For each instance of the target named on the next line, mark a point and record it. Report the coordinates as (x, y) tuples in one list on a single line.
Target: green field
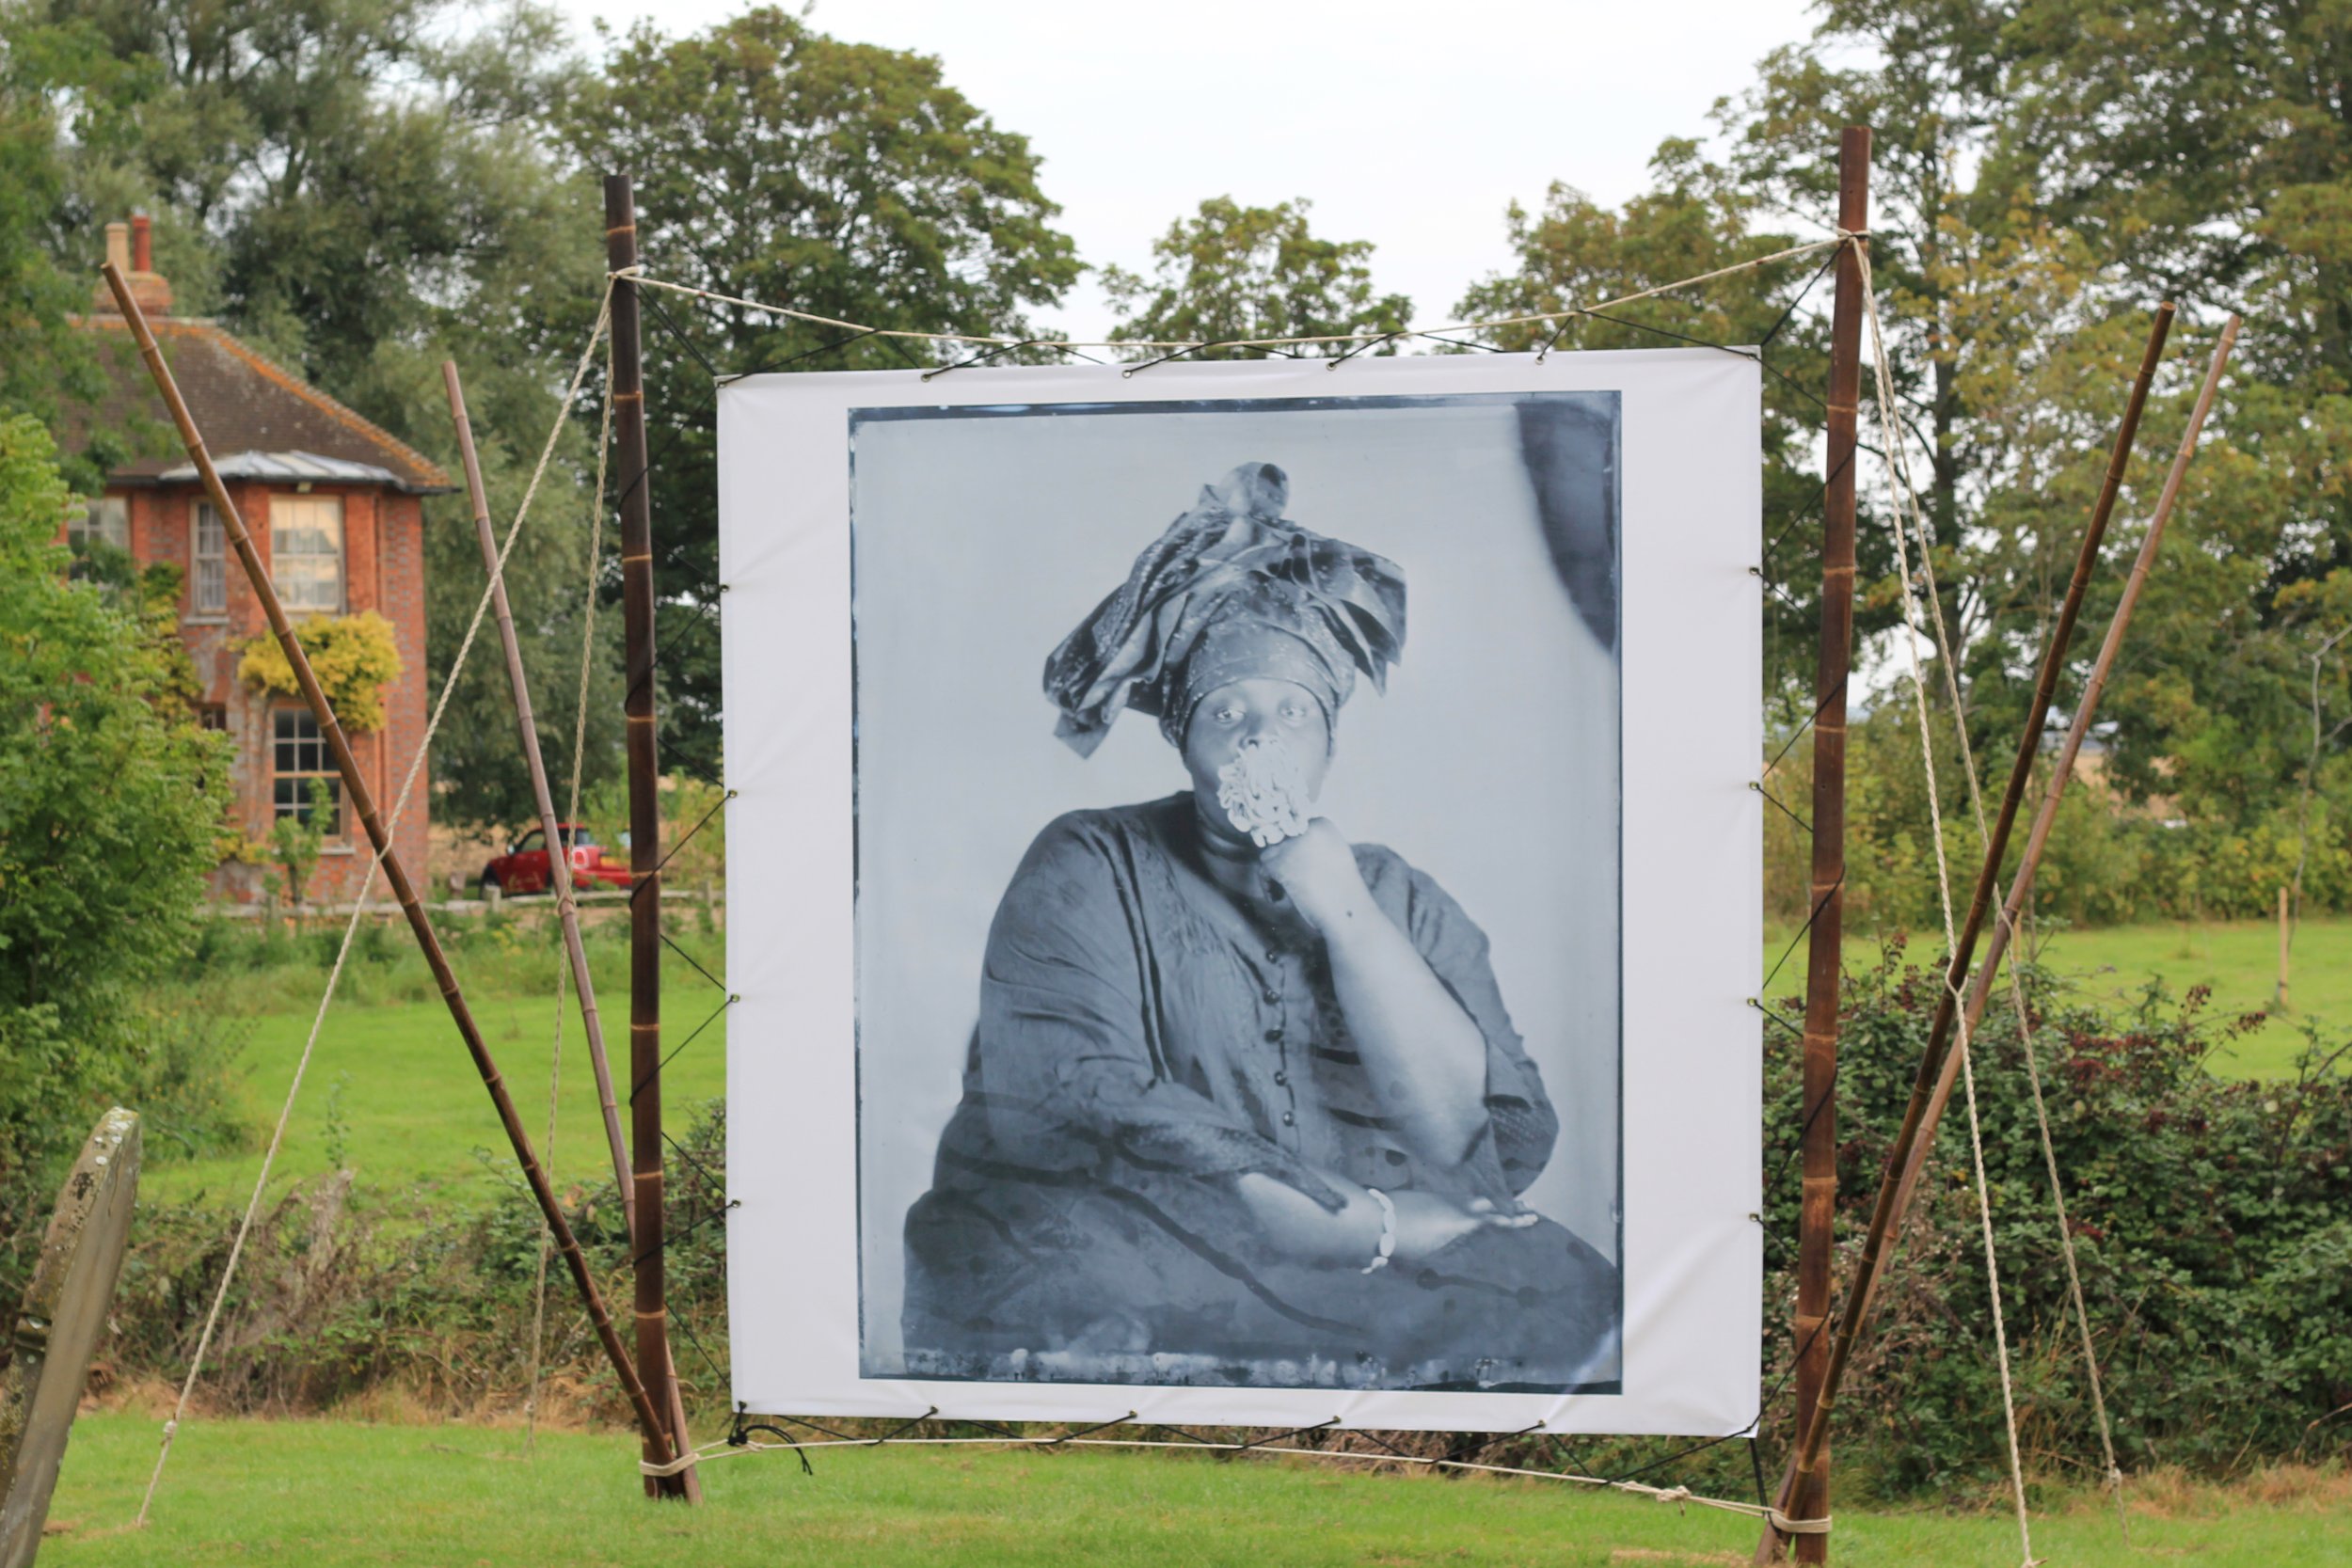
[(392, 1090), (2239, 959), (326, 1494)]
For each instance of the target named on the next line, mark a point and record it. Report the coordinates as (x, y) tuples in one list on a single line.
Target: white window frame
[(115, 528), (324, 769), (197, 559), (301, 591)]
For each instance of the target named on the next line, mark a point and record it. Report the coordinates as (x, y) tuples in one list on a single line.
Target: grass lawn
[(325, 1494), (2239, 959), (392, 1090)]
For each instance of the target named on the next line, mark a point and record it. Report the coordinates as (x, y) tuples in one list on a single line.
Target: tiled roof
[(246, 407)]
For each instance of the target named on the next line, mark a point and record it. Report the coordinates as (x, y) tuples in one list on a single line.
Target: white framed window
[(299, 754), (107, 519), (208, 564), (305, 552)]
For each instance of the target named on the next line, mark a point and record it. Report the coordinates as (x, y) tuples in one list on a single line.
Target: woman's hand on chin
[(1427, 1223), (1317, 871)]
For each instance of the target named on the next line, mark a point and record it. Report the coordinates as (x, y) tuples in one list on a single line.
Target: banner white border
[(1691, 470)]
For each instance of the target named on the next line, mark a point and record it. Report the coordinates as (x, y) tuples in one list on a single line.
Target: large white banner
[(1243, 890)]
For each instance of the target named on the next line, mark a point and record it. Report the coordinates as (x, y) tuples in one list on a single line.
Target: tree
[(1694, 220), (1231, 272), (41, 358), (365, 188), (2202, 151), (845, 179), (111, 803)]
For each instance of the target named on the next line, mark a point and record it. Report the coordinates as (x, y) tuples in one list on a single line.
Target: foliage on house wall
[(354, 658)]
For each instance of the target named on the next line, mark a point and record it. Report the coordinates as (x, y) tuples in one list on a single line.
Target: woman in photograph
[(1244, 1104)]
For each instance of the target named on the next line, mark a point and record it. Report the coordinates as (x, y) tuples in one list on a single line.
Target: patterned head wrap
[(1233, 590)]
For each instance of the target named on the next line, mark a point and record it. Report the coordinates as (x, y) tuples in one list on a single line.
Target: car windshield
[(529, 841)]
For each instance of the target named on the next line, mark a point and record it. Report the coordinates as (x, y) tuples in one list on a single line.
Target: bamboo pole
[(1909, 1142), (644, 818), (567, 906), (395, 874), (1825, 952), (2062, 771)]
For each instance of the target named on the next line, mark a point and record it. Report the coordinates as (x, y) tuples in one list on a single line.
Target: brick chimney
[(131, 247)]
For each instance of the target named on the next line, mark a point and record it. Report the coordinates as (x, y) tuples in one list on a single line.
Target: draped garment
[(1145, 1038)]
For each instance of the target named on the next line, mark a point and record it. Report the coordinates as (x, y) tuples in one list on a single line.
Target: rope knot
[(1785, 1526)]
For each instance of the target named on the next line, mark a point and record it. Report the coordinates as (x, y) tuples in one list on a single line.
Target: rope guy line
[(1802, 931), (358, 910), (1790, 744), (1775, 801), (639, 1087), (1896, 477), (563, 970), (696, 963), (669, 1241), (1766, 342), (1675, 1495), (2114, 1474), (639, 277)]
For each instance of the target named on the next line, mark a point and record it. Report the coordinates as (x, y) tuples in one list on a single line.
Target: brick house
[(334, 507)]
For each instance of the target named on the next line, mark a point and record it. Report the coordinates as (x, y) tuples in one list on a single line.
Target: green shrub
[(111, 799), (2211, 1220)]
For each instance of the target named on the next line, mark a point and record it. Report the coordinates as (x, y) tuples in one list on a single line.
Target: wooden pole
[(1938, 1062), (1824, 953), (633, 474), (2046, 817), (2284, 942), (567, 909), (395, 875)]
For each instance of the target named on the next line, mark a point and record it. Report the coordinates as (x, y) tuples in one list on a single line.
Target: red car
[(524, 868)]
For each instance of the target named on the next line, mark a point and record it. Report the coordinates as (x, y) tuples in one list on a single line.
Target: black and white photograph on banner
[(1244, 1100), (1237, 810)]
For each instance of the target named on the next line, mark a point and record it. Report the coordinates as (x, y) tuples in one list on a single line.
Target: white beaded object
[(1387, 1232), (1263, 791)]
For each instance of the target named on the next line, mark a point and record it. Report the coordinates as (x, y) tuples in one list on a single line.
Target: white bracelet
[(1387, 1232)]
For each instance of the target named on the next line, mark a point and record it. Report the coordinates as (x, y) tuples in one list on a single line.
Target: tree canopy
[(1230, 272), (366, 187)]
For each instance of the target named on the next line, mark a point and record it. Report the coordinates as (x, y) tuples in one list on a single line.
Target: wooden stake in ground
[(1939, 1065), (2285, 944), (635, 478), (58, 1328), (1825, 952), (363, 804), (566, 910)]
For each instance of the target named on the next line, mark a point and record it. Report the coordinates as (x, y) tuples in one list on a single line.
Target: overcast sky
[(1409, 125)]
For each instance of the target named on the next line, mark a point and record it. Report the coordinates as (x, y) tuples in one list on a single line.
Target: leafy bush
[(354, 658), (328, 1306), (111, 799), (2212, 1220)]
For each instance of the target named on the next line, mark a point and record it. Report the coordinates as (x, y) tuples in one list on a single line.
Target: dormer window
[(305, 552)]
